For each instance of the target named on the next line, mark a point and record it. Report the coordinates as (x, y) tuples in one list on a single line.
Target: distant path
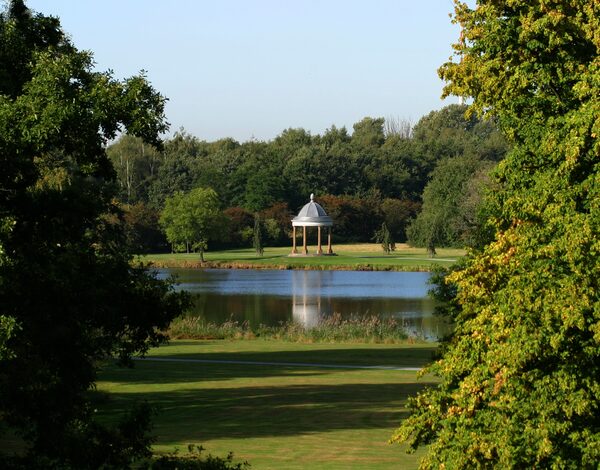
[(286, 364)]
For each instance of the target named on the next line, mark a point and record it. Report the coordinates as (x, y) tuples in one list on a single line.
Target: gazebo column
[(294, 250), (304, 248), (319, 249), (329, 250)]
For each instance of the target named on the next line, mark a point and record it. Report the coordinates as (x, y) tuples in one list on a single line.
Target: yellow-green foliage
[(520, 379)]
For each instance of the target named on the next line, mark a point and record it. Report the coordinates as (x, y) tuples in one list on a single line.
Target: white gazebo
[(312, 215)]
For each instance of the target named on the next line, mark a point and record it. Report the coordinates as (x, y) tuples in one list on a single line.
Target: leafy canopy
[(520, 378), (193, 218), (70, 297), (449, 214)]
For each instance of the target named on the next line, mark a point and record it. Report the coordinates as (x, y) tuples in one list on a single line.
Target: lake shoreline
[(333, 329), (275, 302), (187, 264), (349, 257)]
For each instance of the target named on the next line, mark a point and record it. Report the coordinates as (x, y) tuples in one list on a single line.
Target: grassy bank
[(371, 329), (275, 416), (366, 256)]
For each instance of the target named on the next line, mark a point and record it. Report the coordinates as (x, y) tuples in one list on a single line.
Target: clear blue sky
[(251, 68)]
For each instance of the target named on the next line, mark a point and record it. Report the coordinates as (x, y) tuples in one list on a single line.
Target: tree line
[(424, 182)]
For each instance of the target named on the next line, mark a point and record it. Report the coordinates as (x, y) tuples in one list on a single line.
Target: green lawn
[(360, 256), (276, 416)]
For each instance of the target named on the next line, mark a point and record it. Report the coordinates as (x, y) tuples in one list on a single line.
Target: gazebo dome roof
[(312, 215)]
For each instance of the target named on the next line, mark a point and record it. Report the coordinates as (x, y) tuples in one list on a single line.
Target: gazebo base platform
[(309, 255)]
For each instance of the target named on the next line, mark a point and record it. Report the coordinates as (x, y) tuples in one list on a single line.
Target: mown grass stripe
[(284, 364)]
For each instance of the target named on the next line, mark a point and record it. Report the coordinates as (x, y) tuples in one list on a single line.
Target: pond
[(270, 297)]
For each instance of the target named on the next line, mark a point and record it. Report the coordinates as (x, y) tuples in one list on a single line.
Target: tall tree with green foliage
[(368, 133), (384, 237), (70, 296), (193, 219), (397, 215), (177, 169), (136, 164), (257, 238), (447, 203), (520, 379)]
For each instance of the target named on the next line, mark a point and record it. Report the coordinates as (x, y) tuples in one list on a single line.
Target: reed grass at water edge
[(363, 329)]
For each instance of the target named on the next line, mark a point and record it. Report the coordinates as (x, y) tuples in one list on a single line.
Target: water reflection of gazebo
[(309, 305), (312, 215)]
